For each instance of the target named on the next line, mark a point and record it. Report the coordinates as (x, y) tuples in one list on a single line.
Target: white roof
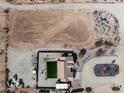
[(62, 86)]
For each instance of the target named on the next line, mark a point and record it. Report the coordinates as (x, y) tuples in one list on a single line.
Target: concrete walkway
[(89, 55)]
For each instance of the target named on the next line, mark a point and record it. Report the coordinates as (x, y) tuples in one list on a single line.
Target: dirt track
[(50, 30)]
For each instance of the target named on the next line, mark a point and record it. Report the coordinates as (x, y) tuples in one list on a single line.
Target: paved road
[(70, 6)]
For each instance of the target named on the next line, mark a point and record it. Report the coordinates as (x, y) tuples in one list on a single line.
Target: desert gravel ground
[(116, 9)]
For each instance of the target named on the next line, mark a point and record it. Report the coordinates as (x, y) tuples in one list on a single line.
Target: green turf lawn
[(51, 69)]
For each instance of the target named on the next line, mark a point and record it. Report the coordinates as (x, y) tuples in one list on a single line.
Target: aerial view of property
[(61, 46)]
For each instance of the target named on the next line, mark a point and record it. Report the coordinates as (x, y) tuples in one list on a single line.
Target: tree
[(82, 52), (6, 29), (7, 10), (88, 89), (8, 91), (99, 43), (61, 1), (115, 88)]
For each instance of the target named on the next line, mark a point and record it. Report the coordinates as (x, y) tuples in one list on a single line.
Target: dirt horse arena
[(45, 29)]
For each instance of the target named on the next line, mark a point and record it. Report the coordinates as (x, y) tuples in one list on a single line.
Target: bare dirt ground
[(2, 20), (2, 55), (25, 90), (45, 29), (2, 74)]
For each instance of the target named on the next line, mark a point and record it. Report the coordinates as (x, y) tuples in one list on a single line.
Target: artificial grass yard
[(51, 69)]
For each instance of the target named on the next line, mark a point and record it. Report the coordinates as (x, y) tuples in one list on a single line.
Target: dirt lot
[(67, 29)]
